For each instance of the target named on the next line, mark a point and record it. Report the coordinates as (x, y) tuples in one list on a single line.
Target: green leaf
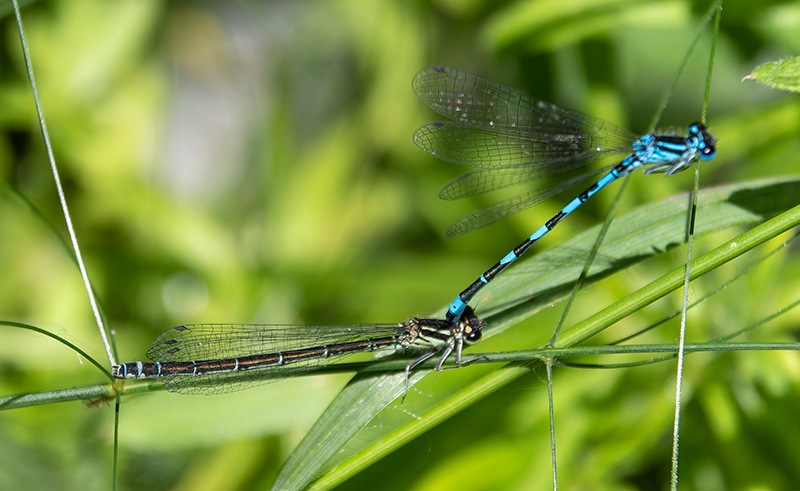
[(783, 74)]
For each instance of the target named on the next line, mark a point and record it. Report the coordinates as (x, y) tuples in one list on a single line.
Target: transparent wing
[(484, 181), (206, 344), (502, 209), (193, 342), (512, 137), (532, 130), (481, 149)]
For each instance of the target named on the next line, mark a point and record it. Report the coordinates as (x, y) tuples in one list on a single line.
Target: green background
[(253, 162)]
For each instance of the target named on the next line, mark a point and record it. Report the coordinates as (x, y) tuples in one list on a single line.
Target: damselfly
[(515, 138), (217, 358)]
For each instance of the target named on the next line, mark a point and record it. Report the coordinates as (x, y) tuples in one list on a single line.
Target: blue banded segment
[(217, 358), (513, 139)]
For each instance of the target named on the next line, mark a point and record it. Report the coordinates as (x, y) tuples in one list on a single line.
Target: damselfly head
[(704, 141), (470, 326)]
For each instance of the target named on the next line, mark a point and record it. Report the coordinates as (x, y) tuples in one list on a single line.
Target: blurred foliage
[(252, 162)]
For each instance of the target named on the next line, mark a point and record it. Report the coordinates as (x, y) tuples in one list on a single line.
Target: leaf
[(783, 74)]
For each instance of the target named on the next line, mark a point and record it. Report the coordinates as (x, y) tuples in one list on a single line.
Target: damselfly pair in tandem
[(512, 138)]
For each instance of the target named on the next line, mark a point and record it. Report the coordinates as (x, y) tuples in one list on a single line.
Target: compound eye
[(697, 128), (473, 335), (708, 152)]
